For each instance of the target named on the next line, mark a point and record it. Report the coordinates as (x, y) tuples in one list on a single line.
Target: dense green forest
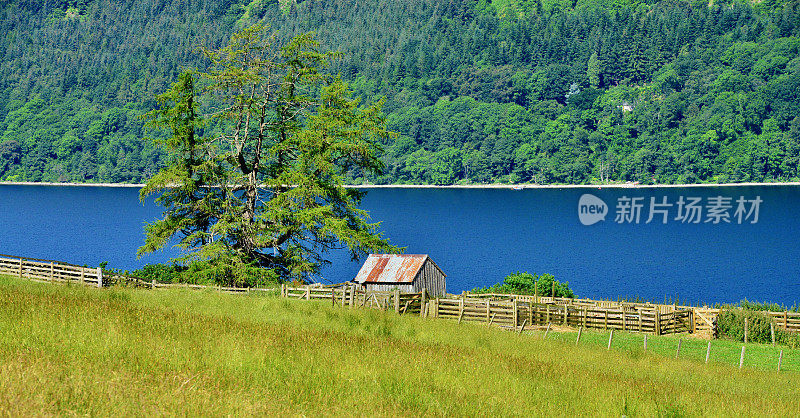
[(550, 91)]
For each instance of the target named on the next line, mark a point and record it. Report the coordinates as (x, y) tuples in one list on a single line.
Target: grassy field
[(759, 356), (85, 351)]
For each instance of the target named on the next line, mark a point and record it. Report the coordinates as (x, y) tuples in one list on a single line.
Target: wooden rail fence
[(60, 272), (498, 309), (347, 294), (514, 313), (50, 271), (505, 313), (519, 311)]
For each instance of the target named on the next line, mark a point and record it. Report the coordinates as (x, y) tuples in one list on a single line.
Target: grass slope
[(71, 350)]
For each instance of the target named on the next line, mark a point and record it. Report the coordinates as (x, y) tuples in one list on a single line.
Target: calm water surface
[(477, 236)]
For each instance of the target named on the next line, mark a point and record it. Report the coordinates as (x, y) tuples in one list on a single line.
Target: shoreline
[(455, 186)]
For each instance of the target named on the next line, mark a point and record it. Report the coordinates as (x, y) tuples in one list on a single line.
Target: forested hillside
[(481, 91)]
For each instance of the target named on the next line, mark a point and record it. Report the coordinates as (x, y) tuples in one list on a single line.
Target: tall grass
[(72, 350)]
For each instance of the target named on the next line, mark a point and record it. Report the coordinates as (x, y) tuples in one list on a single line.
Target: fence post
[(678, 353), (422, 304), (741, 358), (785, 317), (397, 300), (605, 326), (772, 332), (780, 359), (640, 319), (352, 294), (530, 312), (624, 320), (308, 292), (708, 351), (20, 268), (745, 330), (333, 296), (565, 315), (585, 313), (610, 338), (83, 275), (522, 328), (461, 310), (52, 272), (645, 342), (546, 331), (99, 277), (580, 331), (153, 284), (658, 321), (515, 312)]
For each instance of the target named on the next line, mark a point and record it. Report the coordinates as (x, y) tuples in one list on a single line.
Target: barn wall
[(404, 288), (430, 278)]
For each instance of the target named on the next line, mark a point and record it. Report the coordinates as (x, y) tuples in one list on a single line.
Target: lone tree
[(263, 198)]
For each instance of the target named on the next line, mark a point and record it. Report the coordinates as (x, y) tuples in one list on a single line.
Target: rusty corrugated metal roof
[(391, 268)]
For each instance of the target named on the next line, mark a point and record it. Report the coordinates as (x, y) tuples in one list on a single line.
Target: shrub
[(730, 324), (162, 273), (529, 284)]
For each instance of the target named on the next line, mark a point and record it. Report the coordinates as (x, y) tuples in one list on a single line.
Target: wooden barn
[(410, 273)]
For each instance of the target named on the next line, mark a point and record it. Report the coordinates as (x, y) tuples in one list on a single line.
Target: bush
[(730, 324), (162, 273), (529, 284)]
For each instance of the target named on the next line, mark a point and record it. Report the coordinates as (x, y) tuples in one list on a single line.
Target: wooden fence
[(347, 294), (60, 272), (516, 313), (50, 271), (511, 312), (498, 309)]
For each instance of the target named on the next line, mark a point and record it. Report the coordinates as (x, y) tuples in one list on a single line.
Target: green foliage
[(765, 306), (730, 324), (529, 284), (183, 352), (162, 273), (511, 90), (264, 199)]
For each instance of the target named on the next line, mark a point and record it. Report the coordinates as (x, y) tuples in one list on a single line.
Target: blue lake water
[(477, 236)]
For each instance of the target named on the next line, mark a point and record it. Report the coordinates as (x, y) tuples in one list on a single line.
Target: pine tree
[(184, 185), (593, 71), (288, 134)]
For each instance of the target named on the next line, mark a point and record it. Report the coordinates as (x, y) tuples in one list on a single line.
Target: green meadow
[(70, 350)]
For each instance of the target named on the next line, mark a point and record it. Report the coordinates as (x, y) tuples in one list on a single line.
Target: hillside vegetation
[(83, 351), (546, 91)]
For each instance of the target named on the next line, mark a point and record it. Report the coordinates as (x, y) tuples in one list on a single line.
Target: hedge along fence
[(760, 326)]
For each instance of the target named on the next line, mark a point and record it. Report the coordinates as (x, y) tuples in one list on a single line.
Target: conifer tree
[(276, 196)]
